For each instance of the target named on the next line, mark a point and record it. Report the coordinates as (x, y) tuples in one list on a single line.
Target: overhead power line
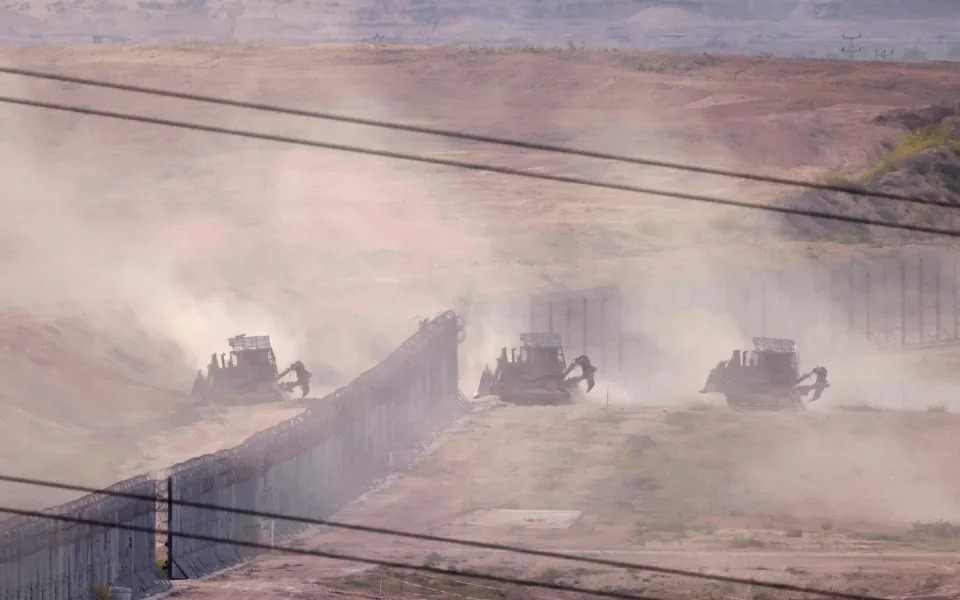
[(848, 189), (433, 538), (332, 555), (475, 166)]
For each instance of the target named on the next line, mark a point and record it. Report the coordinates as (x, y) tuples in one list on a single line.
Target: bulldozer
[(766, 379), (537, 374), (247, 376)]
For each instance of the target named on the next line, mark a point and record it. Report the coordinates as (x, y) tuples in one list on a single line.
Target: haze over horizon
[(881, 29)]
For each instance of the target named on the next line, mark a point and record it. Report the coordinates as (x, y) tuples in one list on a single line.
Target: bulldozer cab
[(777, 359), (253, 353), (542, 352)]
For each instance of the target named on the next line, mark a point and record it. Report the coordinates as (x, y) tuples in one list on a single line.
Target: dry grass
[(912, 144)]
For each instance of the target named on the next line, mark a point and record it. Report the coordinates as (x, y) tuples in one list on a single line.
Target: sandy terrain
[(196, 238), (824, 499)]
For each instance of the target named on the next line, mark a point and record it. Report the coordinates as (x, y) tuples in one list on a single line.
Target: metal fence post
[(763, 309), (832, 318), (956, 325), (937, 285), (903, 302), (585, 324), (619, 332), (920, 298), (851, 300), (169, 543), (603, 329), (886, 304), (867, 301)]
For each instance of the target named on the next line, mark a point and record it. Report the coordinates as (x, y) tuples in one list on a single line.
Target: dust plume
[(877, 471), (160, 244)]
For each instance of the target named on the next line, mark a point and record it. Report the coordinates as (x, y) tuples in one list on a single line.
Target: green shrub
[(100, 591)]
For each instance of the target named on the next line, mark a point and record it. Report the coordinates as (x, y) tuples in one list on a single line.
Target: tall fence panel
[(588, 321), (46, 559), (310, 466), (316, 463), (911, 301)]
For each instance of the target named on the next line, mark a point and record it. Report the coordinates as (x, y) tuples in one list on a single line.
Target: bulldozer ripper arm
[(587, 370)]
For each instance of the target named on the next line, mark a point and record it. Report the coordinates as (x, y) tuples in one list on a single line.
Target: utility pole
[(850, 49)]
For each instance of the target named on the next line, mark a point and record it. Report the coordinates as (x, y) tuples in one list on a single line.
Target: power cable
[(432, 538), (335, 556), (476, 166), (848, 189)]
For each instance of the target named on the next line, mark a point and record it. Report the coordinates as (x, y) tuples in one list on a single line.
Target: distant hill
[(925, 164), (801, 28)]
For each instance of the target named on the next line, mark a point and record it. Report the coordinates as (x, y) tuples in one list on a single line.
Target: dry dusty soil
[(845, 501), (194, 237)]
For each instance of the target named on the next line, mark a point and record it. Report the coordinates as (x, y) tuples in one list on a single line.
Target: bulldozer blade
[(486, 381)]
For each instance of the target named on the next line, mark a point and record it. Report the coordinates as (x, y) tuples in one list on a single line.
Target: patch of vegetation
[(912, 144), (747, 542), (706, 528), (644, 484), (826, 525), (863, 405), (519, 46), (877, 537), (940, 529), (683, 419), (433, 559), (850, 238), (940, 407), (637, 443), (551, 575), (666, 526), (914, 54), (100, 591), (838, 178), (951, 174), (793, 533)]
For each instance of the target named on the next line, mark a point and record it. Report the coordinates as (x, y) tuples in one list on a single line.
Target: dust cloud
[(160, 244), (331, 254), (876, 471), (194, 238)]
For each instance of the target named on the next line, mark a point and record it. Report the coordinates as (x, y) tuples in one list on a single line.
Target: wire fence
[(864, 305), (310, 465)]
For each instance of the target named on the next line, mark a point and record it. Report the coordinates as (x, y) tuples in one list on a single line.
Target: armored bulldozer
[(247, 376), (766, 379), (537, 374)]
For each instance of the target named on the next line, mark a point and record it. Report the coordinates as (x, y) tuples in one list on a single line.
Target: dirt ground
[(788, 498), (201, 237)]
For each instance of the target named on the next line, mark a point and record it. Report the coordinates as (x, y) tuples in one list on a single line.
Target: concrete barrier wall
[(318, 462), (44, 559), (311, 465)]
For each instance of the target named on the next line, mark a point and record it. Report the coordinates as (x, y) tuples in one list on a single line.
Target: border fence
[(886, 304), (309, 466), (588, 321)]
